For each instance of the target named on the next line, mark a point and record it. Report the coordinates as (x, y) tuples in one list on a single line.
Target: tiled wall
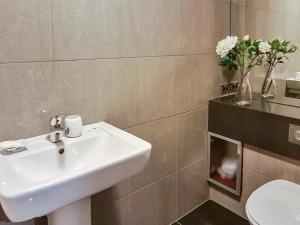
[(147, 66), (260, 167), (266, 19)]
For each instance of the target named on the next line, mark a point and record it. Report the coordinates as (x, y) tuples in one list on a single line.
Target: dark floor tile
[(211, 213)]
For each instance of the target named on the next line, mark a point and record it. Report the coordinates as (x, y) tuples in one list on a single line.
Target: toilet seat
[(251, 220), (275, 203)]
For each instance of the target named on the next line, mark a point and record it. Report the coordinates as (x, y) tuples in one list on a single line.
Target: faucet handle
[(56, 122)]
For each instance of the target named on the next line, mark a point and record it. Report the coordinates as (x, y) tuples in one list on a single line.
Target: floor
[(211, 213)]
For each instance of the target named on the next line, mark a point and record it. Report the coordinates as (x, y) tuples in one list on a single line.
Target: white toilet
[(275, 203)]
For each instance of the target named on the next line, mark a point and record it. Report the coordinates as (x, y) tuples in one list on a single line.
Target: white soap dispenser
[(73, 125)]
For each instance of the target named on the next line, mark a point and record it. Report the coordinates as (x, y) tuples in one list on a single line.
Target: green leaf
[(251, 49), (256, 43), (228, 62), (224, 61), (275, 44), (248, 43)]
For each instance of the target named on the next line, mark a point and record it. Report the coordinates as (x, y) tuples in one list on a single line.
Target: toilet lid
[(275, 203)]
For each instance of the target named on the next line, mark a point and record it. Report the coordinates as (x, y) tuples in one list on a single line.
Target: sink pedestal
[(77, 213)]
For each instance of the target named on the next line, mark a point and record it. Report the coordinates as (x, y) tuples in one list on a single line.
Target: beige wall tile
[(112, 93), (195, 26), (162, 135), (77, 88), (238, 20), (25, 30), (198, 75), (273, 5), (152, 28), (201, 24), (155, 204), (89, 29), (274, 28), (110, 28), (290, 7), (30, 89), (94, 89), (239, 2), (221, 20), (271, 165), (111, 194), (192, 137), (114, 213), (152, 84), (192, 187), (251, 181)]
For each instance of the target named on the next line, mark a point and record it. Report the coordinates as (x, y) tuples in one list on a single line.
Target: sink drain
[(61, 151)]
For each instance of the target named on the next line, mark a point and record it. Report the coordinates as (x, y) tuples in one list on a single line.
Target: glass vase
[(244, 91), (268, 89)]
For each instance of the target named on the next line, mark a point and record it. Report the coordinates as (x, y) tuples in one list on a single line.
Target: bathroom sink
[(40, 181)]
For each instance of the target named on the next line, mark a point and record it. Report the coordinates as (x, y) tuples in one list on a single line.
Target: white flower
[(246, 37), (264, 47), (226, 45)]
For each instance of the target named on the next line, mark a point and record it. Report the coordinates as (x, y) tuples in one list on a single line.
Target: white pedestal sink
[(40, 181)]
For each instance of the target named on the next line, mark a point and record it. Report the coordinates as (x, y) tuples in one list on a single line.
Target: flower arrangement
[(276, 53), (243, 54)]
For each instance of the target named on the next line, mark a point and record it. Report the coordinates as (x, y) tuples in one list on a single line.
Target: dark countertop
[(263, 124), (267, 106), (294, 102)]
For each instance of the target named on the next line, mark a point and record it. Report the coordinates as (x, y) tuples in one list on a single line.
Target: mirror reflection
[(269, 19)]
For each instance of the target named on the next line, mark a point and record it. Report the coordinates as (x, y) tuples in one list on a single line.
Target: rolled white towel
[(229, 167)]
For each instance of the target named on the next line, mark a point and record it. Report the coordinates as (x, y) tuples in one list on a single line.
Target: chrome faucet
[(57, 129)]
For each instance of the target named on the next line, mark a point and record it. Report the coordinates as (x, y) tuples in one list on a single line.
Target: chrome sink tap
[(57, 129)]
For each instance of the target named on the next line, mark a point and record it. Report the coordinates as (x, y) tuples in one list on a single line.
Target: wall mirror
[(267, 19)]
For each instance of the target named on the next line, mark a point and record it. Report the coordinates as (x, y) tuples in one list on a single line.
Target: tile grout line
[(177, 27), (144, 187), (193, 209), (231, 210), (105, 58), (160, 179), (52, 30), (166, 117), (177, 107), (230, 17), (262, 175), (191, 164)]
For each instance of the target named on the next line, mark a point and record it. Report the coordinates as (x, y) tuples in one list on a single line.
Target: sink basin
[(40, 181)]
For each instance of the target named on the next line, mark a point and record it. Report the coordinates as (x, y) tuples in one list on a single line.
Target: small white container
[(73, 125)]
